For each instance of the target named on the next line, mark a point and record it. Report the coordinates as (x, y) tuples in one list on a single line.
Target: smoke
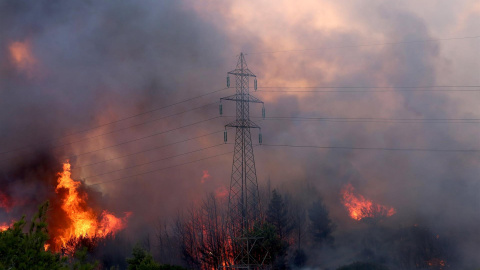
[(80, 65)]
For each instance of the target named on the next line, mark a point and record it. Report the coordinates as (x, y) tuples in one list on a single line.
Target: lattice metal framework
[(244, 210)]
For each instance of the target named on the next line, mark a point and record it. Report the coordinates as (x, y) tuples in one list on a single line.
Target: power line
[(368, 45), (141, 138), (129, 127), (375, 148), (374, 87), (161, 169), (376, 90), (299, 146), (374, 120), (153, 161), (119, 120), (150, 111), (147, 150)]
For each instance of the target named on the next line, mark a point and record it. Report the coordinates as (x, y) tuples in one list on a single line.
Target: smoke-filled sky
[(67, 67)]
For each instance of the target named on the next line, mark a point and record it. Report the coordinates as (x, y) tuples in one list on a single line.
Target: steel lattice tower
[(243, 205)]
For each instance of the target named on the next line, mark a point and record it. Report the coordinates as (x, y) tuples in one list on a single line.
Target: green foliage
[(81, 260), (142, 260), (25, 250), (277, 215), (363, 266), (321, 226), (269, 240), (19, 250)]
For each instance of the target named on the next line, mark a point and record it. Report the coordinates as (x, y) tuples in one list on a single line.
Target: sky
[(67, 67)]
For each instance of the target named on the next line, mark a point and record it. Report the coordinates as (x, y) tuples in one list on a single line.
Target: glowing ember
[(221, 193), (21, 55), (83, 220), (4, 226), (436, 262), (359, 207), (5, 202), (205, 176)]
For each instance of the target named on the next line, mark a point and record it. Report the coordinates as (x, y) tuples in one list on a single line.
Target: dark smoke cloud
[(94, 63)]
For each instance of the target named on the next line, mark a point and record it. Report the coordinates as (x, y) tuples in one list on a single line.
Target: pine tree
[(277, 215), (25, 250), (321, 226)]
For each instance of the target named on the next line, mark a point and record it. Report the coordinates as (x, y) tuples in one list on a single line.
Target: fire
[(359, 207), (83, 221), (436, 262), (221, 193), (22, 56), (4, 226), (5, 202), (205, 176)]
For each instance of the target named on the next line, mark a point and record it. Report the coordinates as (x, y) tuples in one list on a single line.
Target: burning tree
[(360, 208), (80, 224), (203, 235), (26, 249), (419, 248)]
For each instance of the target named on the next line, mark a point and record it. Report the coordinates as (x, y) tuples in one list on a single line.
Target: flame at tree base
[(83, 223), (360, 208)]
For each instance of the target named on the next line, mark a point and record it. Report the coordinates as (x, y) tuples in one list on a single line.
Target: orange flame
[(205, 176), (359, 207), (221, 193), (22, 56), (83, 219), (437, 262), (4, 226)]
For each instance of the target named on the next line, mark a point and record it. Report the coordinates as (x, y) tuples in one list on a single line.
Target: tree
[(363, 266), (19, 250), (268, 241), (298, 217), (142, 260), (203, 236), (321, 226), (277, 215), (418, 247), (81, 262)]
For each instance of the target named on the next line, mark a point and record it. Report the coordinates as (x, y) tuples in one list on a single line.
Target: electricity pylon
[(243, 204)]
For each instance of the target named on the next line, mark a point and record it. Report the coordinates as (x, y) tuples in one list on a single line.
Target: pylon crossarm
[(245, 98), (245, 73), (242, 124)]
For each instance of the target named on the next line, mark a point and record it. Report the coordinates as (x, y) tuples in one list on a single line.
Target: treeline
[(23, 247), (288, 226), (296, 230)]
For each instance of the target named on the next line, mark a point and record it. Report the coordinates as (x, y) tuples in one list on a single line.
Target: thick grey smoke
[(96, 62), (92, 63)]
